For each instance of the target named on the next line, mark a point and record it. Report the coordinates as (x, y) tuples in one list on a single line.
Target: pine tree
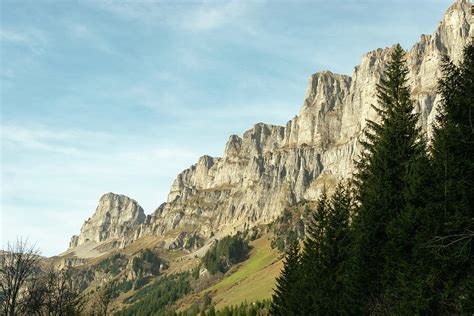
[(287, 295), (392, 149), (451, 211)]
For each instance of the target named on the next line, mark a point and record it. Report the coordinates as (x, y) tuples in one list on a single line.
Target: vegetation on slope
[(253, 280), (155, 298), (225, 253), (261, 308), (114, 264), (290, 226)]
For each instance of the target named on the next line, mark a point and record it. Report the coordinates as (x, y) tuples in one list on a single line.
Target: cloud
[(155, 155), (34, 39), (194, 109), (213, 15), (13, 37), (43, 138), (190, 16), (145, 11), (54, 193), (33, 43), (35, 139), (91, 36), (26, 223)]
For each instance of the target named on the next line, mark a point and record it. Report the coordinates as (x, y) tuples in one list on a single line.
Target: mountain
[(115, 218), (271, 167)]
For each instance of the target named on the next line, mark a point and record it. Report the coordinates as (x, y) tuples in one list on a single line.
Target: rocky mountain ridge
[(271, 166)]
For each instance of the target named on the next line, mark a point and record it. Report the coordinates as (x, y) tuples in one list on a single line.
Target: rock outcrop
[(115, 218), (270, 166)]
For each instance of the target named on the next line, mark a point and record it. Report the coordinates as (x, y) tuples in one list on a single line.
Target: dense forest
[(397, 239)]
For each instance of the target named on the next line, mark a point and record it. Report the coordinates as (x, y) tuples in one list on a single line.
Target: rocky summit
[(115, 217), (271, 166)]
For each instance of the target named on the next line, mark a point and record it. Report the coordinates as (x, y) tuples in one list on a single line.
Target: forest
[(397, 238)]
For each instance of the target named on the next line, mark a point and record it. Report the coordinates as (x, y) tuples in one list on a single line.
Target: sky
[(120, 96)]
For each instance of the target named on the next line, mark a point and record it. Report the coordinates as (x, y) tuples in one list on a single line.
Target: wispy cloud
[(35, 40), (145, 11), (13, 37), (91, 36), (190, 16), (32, 44), (62, 189), (43, 138), (194, 109), (214, 15)]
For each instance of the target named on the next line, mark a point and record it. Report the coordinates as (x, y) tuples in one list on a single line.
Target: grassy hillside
[(250, 281), (253, 280)]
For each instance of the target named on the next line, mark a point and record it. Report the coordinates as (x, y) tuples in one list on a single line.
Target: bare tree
[(17, 264), (52, 292), (34, 296), (63, 295)]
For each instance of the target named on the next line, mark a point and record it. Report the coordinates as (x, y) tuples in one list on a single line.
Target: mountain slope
[(271, 167)]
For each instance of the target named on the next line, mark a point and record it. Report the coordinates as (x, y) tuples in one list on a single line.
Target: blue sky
[(120, 96)]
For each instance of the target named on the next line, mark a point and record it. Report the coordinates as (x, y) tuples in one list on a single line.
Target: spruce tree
[(286, 299), (310, 258), (326, 249), (335, 253), (391, 150), (450, 214)]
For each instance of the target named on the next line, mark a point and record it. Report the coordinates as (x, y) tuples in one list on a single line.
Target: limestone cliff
[(271, 166), (115, 217)]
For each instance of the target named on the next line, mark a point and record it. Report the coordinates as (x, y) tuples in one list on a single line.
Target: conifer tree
[(286, 299), (310, 258), (334, 254), (392, 149), (450, 214), (326, 248)]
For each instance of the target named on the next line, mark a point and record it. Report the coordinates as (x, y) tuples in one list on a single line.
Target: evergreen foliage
[(260, 308), (311, 261), (450, 213), (287, 296), (155, 298), (405, 247), (114, 264), (393, 152), (325, 253), (147, 262), (289, 227), (225, 253)]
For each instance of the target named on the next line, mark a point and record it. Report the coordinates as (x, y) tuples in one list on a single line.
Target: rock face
[(115, 218), (270, 166)]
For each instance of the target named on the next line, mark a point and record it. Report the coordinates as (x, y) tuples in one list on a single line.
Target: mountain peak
[(113, 218)]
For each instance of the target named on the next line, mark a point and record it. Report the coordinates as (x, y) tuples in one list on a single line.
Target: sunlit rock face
[(116, 216), (273, 166), (270, 166)]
